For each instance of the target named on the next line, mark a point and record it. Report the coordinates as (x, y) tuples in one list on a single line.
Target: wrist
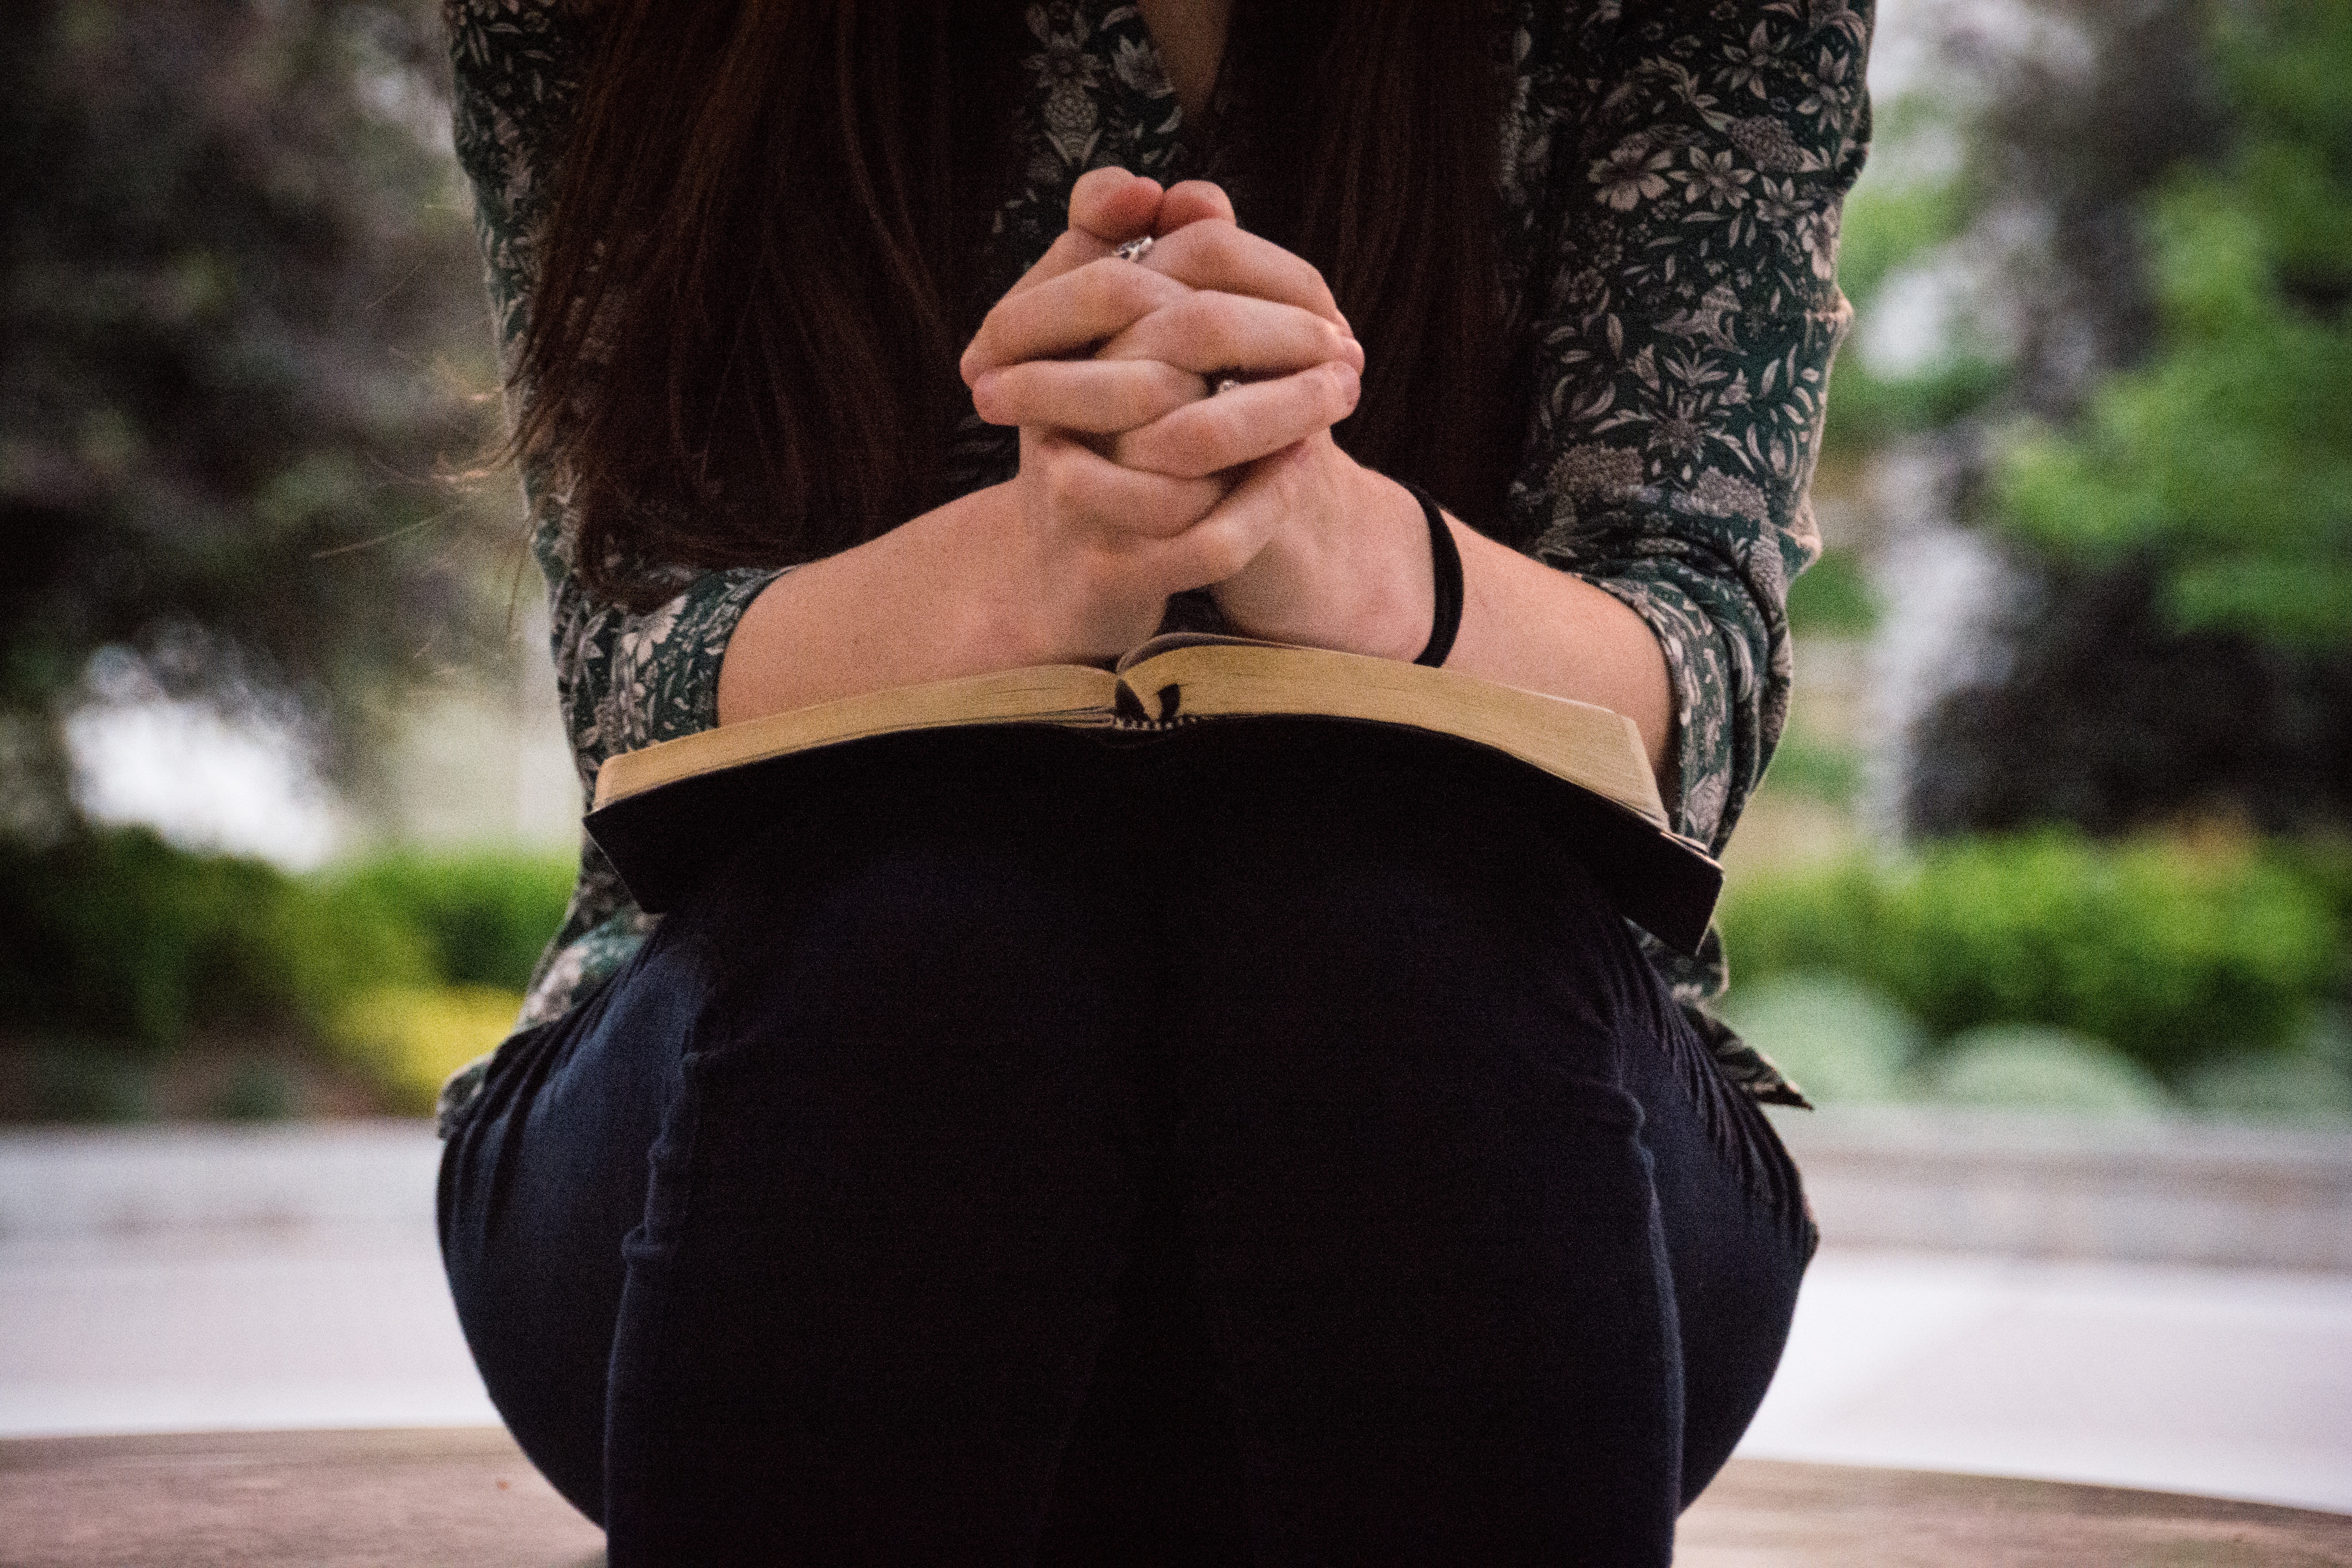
[(1408, 603), (1006, 622), (1364, 584), (1041, 598)]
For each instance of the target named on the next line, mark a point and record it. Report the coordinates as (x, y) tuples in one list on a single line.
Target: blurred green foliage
[(2140, 222), (2226, 459), (2034, 1066), (114, 936), (2312, 1083), (1844, 1043), (482, 919), (242, 333), (2174, 953), (408, 1039), (1868, 410), (1833, 598), (254, 1090), (1812, 769), (80, 1081)]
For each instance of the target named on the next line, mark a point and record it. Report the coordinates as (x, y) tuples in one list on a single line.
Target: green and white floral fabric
[(1670, 186)]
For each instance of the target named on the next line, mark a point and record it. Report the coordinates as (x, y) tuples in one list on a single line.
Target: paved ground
[(178, 1281)]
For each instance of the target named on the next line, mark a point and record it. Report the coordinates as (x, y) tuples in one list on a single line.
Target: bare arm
[(1353, 571)]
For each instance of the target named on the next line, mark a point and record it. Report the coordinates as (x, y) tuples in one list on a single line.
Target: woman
[(1208, 1154)]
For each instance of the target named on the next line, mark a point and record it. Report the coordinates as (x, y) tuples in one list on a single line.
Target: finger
[(1230, 260), (1068, 315), (1252, 421), (1224, 541), (1114, 206), (1204, 332), (1191, 201), (1107, 208), (1080, 483), (1070, 252), (1101, 398)]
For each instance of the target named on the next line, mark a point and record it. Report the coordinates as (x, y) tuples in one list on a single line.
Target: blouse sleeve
[(626, 679), (1684, 313)]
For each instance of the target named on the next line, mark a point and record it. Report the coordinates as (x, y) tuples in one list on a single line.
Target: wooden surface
[(404, 1499), (285, 1500), (1761, 1514)]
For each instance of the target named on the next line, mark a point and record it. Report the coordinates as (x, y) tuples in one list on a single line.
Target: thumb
[(1191, 201), (1113, 205)]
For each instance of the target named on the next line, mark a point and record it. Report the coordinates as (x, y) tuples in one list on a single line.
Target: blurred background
[(2061, 817), (2060, 836)]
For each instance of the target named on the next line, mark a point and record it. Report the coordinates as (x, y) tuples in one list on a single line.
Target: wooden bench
[(401, 1498)]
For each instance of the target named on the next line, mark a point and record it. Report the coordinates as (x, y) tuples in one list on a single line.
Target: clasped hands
[(1135, 483)]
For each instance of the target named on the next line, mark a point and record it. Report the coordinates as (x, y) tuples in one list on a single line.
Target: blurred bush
[(407, 1039), (483, 918), (112, 942), (2033, 1067), (1835, 597), (116, 935), (2311, 1082), (1843, 1042), (2175, 954), (77, 1080)]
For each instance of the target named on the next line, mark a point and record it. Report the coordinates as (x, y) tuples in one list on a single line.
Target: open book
[(653, 806)]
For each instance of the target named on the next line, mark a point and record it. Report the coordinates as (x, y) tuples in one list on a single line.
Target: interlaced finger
[(1210, 253), (1112, 500), (1201, 331), (1100, 397), (1252, 421), (1068, 315)]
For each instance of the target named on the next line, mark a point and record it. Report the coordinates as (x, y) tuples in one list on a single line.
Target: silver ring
[(1135, 249), (1224, 383)]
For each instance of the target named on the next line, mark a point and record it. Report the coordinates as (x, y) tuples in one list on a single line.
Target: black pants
[(1209, 1154)]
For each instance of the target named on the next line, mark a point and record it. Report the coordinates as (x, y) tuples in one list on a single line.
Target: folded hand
[(1139, 483)]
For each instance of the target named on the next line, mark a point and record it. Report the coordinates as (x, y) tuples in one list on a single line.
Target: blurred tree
[(2225, 461), (2186, 645), (2007, 190), (240, 315)]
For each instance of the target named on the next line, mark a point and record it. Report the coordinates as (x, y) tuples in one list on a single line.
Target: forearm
[(1528, 624), (1367, 585), (898, 610)]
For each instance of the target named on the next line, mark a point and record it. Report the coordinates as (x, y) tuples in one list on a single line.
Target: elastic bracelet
[(1445, 557)]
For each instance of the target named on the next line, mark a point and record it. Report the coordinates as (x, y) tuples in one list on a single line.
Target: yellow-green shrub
[(2173, 951), (408, 1038)]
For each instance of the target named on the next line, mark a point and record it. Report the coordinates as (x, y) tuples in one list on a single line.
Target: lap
[(1392, 1065)]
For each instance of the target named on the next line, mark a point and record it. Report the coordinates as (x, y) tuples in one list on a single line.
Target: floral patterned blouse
[(1670, 177)]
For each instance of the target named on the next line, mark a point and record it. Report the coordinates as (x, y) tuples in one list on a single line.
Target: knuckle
[(1222, 546), (1062, 485), (1341, 386), (1171, 387)]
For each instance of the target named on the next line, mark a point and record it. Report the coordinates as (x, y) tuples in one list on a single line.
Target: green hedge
[(113, 935), (2177, 954), (2174, 952), (483, 918)]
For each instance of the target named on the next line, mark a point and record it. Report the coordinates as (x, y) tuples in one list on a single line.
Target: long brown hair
[(758, 270)]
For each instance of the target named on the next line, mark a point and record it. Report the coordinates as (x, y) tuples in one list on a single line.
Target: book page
[(1053, 693)]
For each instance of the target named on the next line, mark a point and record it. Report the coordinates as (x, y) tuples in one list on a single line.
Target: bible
[(663, 813)]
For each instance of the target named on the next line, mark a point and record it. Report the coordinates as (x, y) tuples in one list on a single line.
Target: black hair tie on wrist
[(1445, 557)]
